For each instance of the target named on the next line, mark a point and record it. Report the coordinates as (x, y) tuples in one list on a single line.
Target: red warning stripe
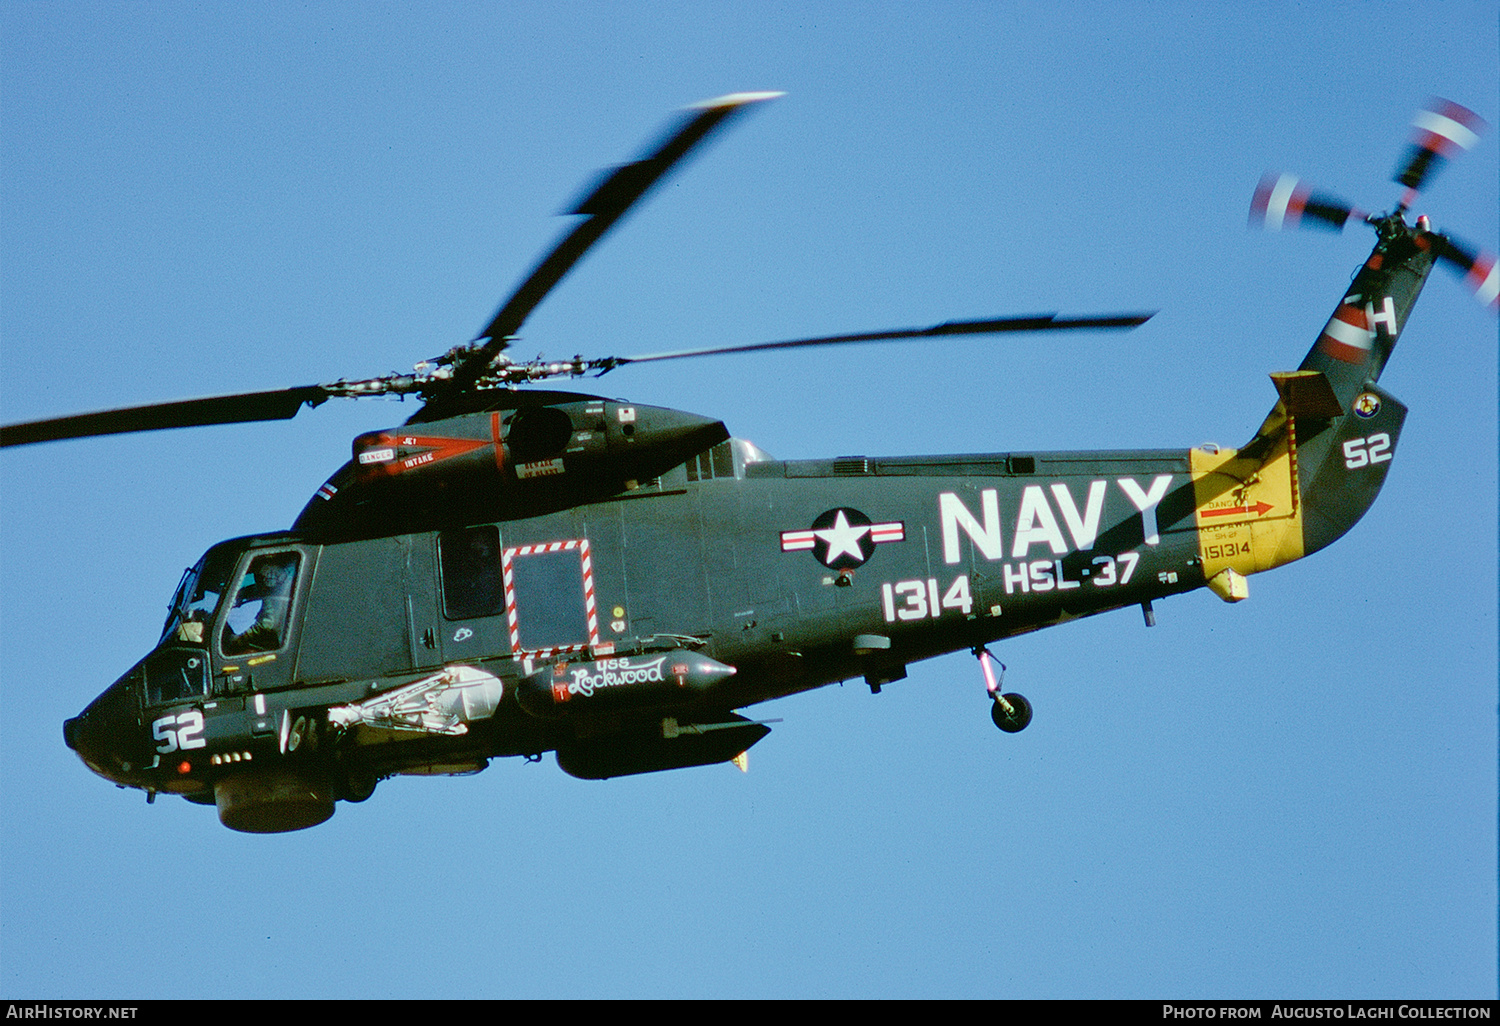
[(1347, 335), (495, 436), (507, 575), (1259, 509)]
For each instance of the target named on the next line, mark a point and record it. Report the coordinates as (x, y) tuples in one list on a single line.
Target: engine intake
[(508, 463)]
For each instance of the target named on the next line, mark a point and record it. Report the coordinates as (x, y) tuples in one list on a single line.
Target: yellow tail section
[(1308, 475), (1249, 514)]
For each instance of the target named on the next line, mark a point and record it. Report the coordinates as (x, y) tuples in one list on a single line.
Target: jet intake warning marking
[(381, 454)]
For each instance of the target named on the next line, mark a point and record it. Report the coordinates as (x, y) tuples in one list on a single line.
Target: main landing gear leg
[(1010, 712)]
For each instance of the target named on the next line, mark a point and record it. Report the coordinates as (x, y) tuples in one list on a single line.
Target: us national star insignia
[(842, 538)]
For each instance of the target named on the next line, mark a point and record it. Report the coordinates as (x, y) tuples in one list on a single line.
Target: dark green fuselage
[(391, 630)]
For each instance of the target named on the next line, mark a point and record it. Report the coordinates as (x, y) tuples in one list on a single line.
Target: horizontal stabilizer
[(1307, 394)]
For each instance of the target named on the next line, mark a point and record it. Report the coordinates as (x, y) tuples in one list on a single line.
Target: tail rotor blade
[(1285, 201), (1481, 271), (1439, 132)]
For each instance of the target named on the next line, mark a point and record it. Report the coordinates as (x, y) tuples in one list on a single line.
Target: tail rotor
[(1440, 131), (1481, 271)]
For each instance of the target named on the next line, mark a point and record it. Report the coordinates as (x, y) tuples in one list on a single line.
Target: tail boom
[(1321, 456), (1355, 344)]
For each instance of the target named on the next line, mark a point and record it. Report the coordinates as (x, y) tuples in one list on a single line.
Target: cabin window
[(257, 619), (718, 462), (470, 562), (551, 588)]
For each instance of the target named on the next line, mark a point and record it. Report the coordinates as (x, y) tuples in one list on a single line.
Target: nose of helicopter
[(81, 735), (101, 734)]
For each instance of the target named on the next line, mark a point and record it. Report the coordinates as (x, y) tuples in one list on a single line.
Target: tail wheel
[(1015, 718)]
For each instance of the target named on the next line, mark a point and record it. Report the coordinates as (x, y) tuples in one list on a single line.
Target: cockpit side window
[(257, 617)]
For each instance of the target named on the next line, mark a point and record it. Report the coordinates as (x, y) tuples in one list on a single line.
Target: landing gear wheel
[(1014, 720), (353, 780), (358, 784)]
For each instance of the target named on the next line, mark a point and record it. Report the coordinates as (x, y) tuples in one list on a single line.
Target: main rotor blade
[(221, 409), (604, 205), (1038, 322)]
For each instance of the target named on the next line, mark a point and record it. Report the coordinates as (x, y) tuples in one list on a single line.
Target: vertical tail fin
[(1357, 341), (1321, 456)]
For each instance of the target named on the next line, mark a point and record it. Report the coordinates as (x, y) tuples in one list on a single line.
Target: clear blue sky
[(1290, 797)]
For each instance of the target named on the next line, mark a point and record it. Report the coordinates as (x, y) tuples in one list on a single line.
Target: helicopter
[(515, 571)]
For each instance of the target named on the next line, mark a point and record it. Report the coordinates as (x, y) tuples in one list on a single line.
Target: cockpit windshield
[(197, 596)]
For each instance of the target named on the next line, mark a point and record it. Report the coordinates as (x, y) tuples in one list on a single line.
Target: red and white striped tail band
[(1347, 336)]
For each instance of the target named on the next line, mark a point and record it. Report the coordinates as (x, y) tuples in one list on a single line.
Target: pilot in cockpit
[(257, 620)]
